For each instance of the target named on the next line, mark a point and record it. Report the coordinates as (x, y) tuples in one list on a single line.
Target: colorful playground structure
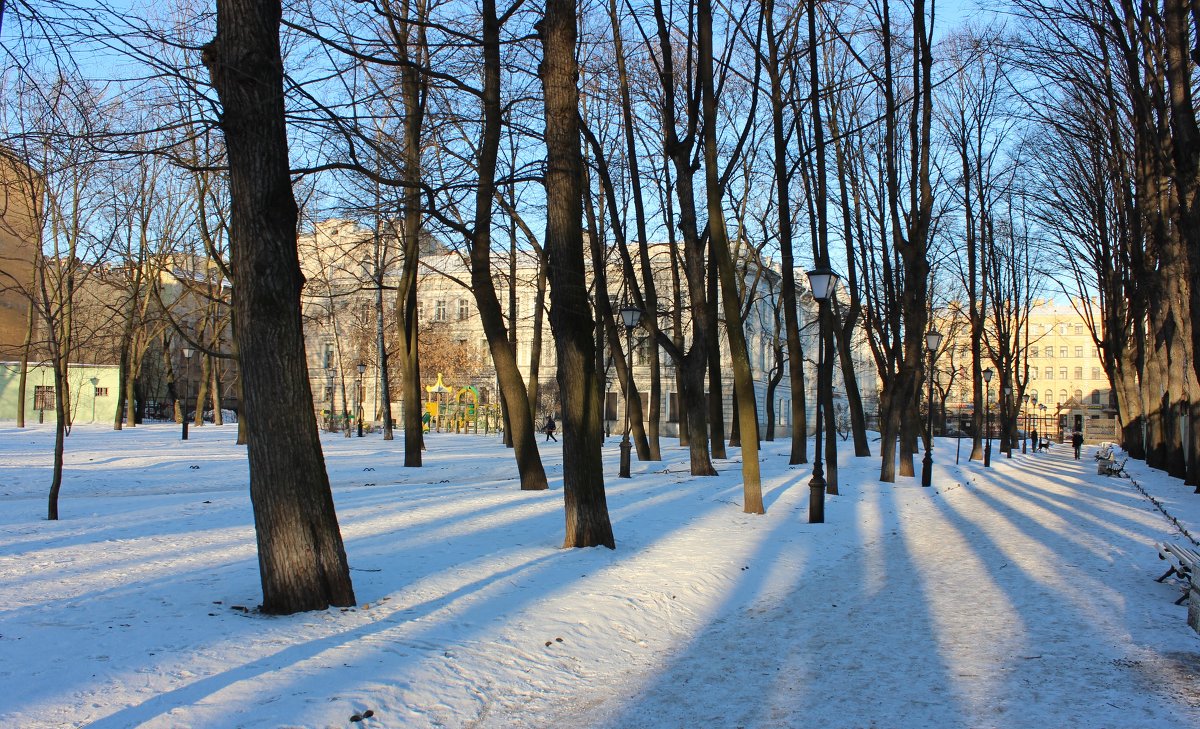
[(462, 413)]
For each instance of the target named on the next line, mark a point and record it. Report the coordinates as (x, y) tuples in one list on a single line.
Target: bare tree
[(301, 556)]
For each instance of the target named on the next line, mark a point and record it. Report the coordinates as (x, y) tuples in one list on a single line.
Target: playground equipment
[(463, 414)]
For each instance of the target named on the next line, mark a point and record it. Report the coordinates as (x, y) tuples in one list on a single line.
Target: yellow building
[(1064, 364), (1066, 374)]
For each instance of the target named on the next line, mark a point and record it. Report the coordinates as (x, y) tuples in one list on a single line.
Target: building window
[(1063, 329), (1079, 351), (1049, 398), (1049, 373), (328, 355), (1050, 352), (1062, 373), (1062, 396), (1095, 397), (464, 309), (420, 312), (1079, 373), (1033, 352), (439, 310), (100, 392), (43, 397), (1079, 395), (1097, 374), (1079, 330), (1062, 352), (1033, 373)]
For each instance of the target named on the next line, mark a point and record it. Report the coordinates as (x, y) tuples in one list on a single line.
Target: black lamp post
[(932, 339), (1025, 437), (361, 369), (329, 391), (607, 396), (1042, 420), (821, 281), (1007, 404), (187, 373), (630, 316), (987, 417)]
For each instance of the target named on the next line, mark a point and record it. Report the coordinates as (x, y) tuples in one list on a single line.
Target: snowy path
[(1016, 596), (1010, 605)]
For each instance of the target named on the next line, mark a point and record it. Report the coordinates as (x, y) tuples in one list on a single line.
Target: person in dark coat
[(1077, 441), (549, 428), (1033, 436)]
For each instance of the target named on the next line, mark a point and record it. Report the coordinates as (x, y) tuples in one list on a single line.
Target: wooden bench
[(1184, 562)]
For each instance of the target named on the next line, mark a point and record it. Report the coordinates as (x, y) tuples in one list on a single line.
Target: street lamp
[(1041, 422), (821, 281), (329, 379), (607, 396), (1025, 423), (95, 383), (987, 417), (630, 316), (187, 373), (1007, 402), (362, 368), (932, 339)]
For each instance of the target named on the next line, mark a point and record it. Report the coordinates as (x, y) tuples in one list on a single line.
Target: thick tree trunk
[(587, 521), (302, 560)]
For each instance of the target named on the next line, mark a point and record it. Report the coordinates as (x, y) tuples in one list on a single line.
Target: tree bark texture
[(587, 521), (302, 560)]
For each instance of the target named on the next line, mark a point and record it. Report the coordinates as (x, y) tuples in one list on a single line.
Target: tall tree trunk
[(411, 81), (302, 559), (649, 289), (797, 418), (587, 521), (743, 378), (26, 348), (385, 380), (520, 419)]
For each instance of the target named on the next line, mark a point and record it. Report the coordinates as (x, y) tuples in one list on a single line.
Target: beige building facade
[(20, 190), (347, 267)]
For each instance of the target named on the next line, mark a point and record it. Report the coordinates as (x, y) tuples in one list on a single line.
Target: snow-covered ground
[(1017, 596)]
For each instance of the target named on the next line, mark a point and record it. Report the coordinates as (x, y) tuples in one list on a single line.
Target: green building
[(93, 390)]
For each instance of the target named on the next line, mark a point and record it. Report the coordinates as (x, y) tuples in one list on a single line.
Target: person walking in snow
[(1033, 436), (549, 428), (1077, 441)]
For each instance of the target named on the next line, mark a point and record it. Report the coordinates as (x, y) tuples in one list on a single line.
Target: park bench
[(1183, 562), (1117, 469), (1110, 467)]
